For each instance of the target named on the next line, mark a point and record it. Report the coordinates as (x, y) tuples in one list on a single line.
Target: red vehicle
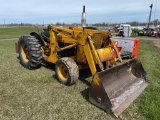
[(154, 33), (158, 35)]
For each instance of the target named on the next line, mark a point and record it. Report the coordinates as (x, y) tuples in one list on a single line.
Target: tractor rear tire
[(30, 53), (67, 71)]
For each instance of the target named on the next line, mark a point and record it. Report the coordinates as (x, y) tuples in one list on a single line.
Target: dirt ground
[(153, 42)]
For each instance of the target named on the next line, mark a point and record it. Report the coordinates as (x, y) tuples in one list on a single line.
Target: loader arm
[(59, 35), (97, 56), (69, 36), (115, 48)]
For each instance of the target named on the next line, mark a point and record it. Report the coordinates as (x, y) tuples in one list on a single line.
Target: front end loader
[(112, 89)]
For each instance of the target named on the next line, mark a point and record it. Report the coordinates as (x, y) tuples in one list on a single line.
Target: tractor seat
[(45, 35)]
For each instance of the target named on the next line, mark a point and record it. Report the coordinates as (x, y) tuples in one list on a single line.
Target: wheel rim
[(63, 72), (24, 52)]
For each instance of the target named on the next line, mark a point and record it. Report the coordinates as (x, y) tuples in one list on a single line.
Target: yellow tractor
[(112, 89)]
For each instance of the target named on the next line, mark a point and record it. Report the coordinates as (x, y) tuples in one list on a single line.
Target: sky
[(70, 11)]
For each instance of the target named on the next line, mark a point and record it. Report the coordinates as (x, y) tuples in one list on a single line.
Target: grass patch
[(16, 32), (149, 103)]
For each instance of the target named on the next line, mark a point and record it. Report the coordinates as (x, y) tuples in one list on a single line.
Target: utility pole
[(150, 14)]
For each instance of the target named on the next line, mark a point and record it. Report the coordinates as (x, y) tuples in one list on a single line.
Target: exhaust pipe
[(83, 22)]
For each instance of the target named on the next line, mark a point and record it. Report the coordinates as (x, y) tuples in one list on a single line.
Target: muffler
[(116, 88)]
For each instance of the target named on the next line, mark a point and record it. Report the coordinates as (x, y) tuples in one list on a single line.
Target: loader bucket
[(116, 88)]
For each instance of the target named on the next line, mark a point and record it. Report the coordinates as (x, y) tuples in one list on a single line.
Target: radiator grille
[(98, 40)]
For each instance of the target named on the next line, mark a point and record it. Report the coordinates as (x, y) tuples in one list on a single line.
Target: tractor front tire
[(30, 53), (67, 71)]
